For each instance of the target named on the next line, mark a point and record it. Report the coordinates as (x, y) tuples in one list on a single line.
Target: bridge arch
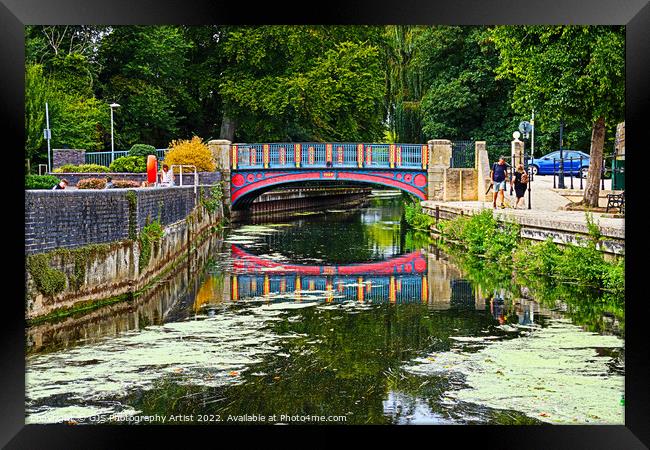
[(247, 185)]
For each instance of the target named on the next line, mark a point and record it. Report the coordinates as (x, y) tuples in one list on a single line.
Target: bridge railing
[(329, 154)]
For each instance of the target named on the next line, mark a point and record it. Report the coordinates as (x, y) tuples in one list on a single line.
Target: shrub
[(81, 168), (125, 184), (91, 183), (416, 218), (193, 152), (483, 235), (213, 201), (129, 164), (48, 281), (142, 150), (40, 181), (151, 232)]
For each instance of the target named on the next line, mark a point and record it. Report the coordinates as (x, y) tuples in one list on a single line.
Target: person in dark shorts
[(498, 176), (520, 180)]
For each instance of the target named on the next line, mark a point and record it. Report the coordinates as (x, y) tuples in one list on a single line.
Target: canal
[(337, 317)]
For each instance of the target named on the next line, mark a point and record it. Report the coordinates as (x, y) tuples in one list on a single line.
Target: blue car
[(550, 164)]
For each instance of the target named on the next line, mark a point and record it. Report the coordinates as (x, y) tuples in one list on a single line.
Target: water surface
[(342, 317)]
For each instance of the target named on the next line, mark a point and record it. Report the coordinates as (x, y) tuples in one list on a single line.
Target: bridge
[(256, 167), (259, 167)]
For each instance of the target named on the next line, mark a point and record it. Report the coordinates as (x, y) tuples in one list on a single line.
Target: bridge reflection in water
[(417, 277)]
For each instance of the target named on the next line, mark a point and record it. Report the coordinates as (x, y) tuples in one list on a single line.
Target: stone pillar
[(62, 156), (619, 144), (220, 149), (221, 152), (439, 157), (482, 165), (517, 153)]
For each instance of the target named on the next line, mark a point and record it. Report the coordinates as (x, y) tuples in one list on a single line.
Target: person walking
[(520, 180), (498, 177), (109, 183)]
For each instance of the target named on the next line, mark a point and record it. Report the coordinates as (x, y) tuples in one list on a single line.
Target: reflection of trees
[(584, 306)]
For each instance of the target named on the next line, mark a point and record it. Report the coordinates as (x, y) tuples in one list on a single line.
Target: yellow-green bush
[(193, 152)]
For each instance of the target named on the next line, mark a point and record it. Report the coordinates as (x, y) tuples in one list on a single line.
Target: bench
[(616, 201)]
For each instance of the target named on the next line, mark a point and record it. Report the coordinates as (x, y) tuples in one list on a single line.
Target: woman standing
[(520, 179)]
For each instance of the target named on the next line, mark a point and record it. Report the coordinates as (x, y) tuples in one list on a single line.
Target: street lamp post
[(113, 106)]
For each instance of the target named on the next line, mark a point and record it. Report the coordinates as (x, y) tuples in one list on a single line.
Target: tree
[(461, 98), (144, 69), (568, 72), (403, 83), (35, 97), (303, 83)]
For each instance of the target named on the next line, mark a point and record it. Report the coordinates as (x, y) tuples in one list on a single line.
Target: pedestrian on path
[(520, 179), (498, 177)]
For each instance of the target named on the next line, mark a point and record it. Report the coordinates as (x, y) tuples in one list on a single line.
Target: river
[(343, 317)]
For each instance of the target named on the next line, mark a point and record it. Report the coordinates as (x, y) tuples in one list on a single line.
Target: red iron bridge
[(256, 168)]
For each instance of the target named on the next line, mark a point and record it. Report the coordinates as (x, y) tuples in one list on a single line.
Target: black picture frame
[(14, 14)]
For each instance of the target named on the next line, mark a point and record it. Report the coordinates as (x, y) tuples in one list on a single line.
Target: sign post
[(47, 134)]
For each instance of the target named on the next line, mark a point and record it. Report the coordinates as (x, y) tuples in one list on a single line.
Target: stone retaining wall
[(63, 156), (93, 274), (73, 218)]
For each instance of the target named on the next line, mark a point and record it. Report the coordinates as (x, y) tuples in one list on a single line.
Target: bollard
[(580, 172), (602, 176), (571, 163), (437, 215), (554, 174), (529, 181)]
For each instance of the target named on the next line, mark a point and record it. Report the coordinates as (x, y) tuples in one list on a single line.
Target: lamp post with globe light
[(113, 106)]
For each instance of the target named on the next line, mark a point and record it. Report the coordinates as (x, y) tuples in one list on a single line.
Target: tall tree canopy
[(571, 73), (303, 83), (320, 83)]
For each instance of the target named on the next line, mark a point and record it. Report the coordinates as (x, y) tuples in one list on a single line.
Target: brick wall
[(205, 178), (61, 157), (73, 218)]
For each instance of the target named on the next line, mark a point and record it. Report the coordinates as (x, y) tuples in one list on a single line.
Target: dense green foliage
[(48, 281), (319, 83), (150, 234), (214, 201), (81, 168), (575, 73), (142, 150), (303, 83), (129, 164), (40, 181), (416, 218), (482, 236)]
